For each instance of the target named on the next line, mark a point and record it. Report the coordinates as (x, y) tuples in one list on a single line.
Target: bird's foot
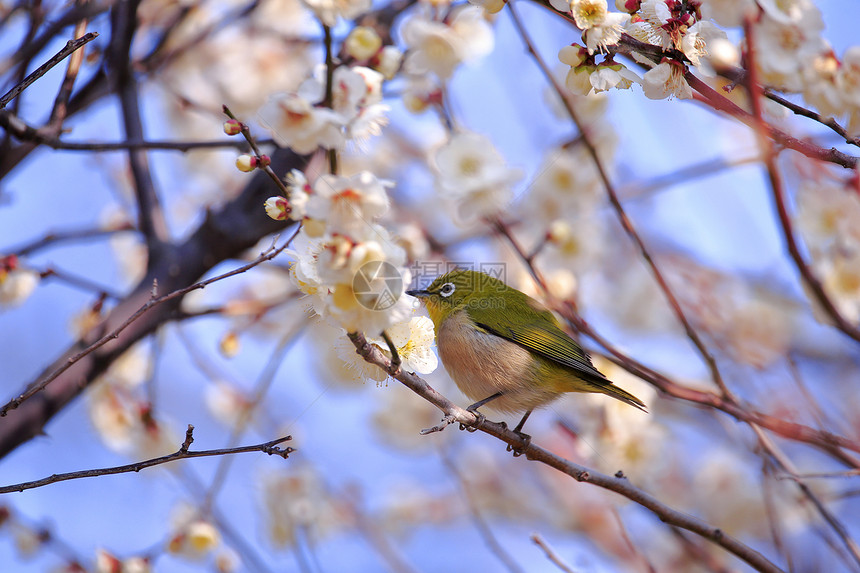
[(446, 421), (477, 424), (520, 450)]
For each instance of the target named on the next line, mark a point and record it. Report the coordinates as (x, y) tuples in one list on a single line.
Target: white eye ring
[(447, 289)]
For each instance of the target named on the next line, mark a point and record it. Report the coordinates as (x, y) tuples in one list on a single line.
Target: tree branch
[(70, 47), (622, 486), (150, 213), (182, 453)]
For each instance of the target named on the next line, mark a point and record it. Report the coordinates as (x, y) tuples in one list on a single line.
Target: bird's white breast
[(482, 364)]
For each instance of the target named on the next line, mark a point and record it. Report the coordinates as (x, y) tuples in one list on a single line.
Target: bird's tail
[(623, 395)]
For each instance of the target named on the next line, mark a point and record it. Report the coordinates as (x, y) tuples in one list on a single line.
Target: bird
[(505, 349)]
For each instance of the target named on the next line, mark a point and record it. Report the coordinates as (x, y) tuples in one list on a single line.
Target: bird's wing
[(542, 336)]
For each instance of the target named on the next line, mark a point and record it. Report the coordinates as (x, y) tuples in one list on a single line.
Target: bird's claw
[(477, 424), (518, 451)]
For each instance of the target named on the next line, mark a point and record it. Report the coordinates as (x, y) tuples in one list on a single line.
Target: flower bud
[(278, 208), (246, 163), (573, 55), (387, 61), (229, 345), (630, 6), (232, 127), (362, 43)]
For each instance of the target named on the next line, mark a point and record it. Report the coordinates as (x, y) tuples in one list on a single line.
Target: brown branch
[(52, 238), (70, 47), (481, 524), (622, 486), (182, 453), (550, 553), (150, 212)]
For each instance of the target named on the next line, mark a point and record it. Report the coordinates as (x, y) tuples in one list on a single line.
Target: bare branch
[(150, 212), (271, 448), (480, 523), (622, 486), (70, 47), (550, 553)]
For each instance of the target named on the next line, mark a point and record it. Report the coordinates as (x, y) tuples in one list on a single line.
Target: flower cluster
[(829, 218), (302, 121), (437, 46), (121, 414), (668, 24), (350, 264), (473, 175)]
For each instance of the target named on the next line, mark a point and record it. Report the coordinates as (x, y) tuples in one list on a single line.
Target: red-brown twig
[(770, 154), (246, 133)]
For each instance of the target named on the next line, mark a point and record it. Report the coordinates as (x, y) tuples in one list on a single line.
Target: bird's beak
[(419, 293)]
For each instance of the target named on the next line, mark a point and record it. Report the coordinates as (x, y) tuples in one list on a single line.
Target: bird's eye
[(447, 289)]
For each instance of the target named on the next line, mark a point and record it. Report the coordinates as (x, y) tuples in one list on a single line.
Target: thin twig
[(246, 133), (154, 300), (70, 47), (770, 94), (786, 465), (481, 524), (550, 553), (182, 453)]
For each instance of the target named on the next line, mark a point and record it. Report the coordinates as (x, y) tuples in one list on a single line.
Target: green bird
[(505, 349)]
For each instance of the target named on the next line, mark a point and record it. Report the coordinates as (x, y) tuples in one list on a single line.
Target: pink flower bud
[(232, 127), (246, 163)]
